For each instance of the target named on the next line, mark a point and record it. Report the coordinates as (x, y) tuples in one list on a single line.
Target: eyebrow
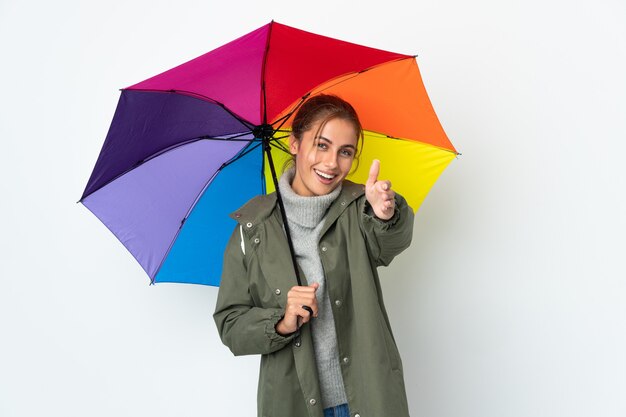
[(330, 141)]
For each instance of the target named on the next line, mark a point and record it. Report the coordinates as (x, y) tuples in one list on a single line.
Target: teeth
[(322, 174)]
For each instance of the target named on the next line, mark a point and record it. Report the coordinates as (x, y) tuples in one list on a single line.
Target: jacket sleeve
[(244, 327), (387, 238)]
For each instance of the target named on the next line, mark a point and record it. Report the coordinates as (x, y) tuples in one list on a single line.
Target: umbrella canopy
[(186, 147)]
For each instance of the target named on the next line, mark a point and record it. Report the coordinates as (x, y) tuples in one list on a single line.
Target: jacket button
[(257, 240), (338, 303), (357, 415), (324, 248), (277, 291), (297, 343), (343, 203), (312, 401), (346, 360), (249, 224)]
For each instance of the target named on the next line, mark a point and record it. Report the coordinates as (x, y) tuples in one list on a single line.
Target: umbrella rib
[(280, 146), (235, 138), (286, 117), (263, 66), (384, 135), (348, 76), (168, 149), (241, 154), (201, 96), (281, 137)]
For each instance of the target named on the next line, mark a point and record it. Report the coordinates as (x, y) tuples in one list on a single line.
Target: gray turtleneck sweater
[(306, 217)]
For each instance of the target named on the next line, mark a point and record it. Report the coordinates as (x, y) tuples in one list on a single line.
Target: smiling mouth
[(325, 175)]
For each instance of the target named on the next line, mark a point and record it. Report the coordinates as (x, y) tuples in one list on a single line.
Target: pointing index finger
[(374, 170)]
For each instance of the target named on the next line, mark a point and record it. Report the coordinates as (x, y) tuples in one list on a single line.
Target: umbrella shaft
[(268, 151)]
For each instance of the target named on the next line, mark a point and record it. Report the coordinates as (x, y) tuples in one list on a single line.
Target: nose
[(330, 160)]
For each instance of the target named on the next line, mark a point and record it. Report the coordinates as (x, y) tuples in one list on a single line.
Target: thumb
[(373, 175), (315, 285)]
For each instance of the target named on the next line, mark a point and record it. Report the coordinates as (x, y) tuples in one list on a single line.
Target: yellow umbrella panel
[(412, 167)]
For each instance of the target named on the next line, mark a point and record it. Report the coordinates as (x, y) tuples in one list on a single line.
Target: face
[(322, 163)]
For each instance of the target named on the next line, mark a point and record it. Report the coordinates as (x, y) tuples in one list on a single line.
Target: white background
[(510, 301)]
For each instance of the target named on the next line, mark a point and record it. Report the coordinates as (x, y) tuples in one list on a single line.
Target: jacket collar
[(261, 207)]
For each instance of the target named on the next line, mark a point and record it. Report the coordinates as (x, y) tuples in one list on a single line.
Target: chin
[(327, 189)]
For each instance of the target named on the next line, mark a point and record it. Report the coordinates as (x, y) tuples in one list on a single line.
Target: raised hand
[(379, 193)]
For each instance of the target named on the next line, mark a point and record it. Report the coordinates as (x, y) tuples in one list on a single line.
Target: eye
[(346, 153), (322, 145)]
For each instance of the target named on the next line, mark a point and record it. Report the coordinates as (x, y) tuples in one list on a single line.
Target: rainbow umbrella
[(181, 141)]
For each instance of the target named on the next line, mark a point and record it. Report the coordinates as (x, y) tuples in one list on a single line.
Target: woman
[(327, 347)]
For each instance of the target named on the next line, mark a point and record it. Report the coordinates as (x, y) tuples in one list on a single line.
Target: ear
[(294, 144)]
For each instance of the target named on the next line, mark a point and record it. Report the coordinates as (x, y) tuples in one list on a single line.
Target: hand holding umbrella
[(301, 307), (379, 193)]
